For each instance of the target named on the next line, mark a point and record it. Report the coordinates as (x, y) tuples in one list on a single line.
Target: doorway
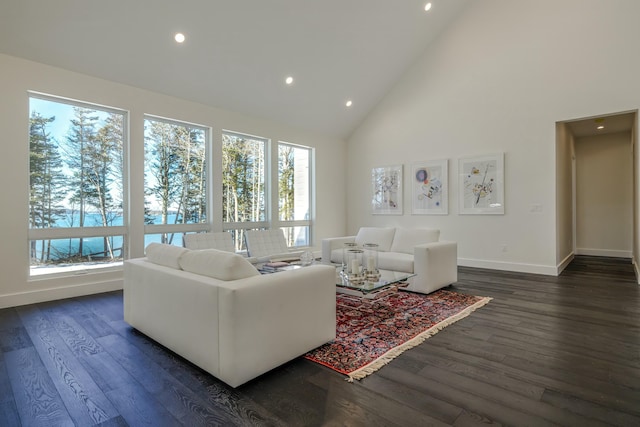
[(597, 195)]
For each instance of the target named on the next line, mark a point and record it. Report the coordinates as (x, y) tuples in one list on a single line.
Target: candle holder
[(353, 271), (346, 247), (370, 262)]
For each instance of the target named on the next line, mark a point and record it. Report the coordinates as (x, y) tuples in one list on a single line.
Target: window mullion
[(62, 233)]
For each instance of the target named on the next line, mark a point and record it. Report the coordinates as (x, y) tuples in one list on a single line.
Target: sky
[(59, 128), (63, 113)]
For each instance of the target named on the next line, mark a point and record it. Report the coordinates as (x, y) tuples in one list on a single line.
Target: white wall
[(17, 76), (604, 185), (564, 196), (636, 199), (497, 81)]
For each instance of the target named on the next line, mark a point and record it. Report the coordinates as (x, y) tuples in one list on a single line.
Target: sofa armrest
[(175, 308), (435, 265), (331, 243), (270, 319)]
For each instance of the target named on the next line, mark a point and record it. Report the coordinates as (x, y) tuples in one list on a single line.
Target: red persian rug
[(370, 334)]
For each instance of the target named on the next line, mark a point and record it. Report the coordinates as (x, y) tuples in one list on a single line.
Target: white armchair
[(269, 245), (218, 240)]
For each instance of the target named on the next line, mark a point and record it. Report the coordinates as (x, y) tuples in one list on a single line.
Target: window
[(175, 180), (294, 193), (76, 191), (245, 203), (243, 184)]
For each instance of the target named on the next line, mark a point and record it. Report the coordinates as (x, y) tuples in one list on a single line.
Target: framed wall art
[(430, 189), (481, 184), (386, 196)]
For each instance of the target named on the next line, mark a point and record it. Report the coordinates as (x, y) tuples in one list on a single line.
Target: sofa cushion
[(220, 265), (163, 254), (336, 256), (395, 261), (406, 238), (380, 235)]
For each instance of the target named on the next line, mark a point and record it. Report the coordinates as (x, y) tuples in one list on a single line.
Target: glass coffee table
[(389, 281)]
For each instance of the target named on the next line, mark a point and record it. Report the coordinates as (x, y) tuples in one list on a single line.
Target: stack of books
[(274, 265)]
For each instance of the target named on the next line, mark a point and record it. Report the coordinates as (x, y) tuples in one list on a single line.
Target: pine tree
[(194, 190), (176, 173), (103, 161), (113, 131), (46, 181), (285, 182), (80, 146), (243, 181), (163, 166)]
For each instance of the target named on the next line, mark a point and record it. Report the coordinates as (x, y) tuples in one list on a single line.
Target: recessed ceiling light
[(427, 7), (600, 127), (179, 37), (349, 103), (288, 80)]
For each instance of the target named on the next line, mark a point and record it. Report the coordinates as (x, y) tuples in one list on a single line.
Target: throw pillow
[(406, 238), (382, 236), (220, 265), (167, 255)]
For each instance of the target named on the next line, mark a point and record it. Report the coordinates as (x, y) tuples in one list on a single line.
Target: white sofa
[(412, 250), (214, 309)]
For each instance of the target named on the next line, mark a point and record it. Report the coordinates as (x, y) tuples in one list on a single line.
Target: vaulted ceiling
[(237, 53)]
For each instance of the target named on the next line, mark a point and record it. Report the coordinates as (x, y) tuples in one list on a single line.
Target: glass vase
[(346, 247), (370, 261)]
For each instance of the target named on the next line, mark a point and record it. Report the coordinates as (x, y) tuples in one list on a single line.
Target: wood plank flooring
[(546, 351)]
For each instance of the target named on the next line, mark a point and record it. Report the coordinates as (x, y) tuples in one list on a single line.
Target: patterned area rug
[(370, 334)]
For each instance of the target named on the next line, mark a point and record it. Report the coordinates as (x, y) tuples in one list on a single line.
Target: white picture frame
[(386, 197), (481, 185), (430, 187)]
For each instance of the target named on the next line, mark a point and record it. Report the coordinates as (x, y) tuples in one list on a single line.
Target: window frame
[(311, 191), (55, 233), (199, 227), (233, 226)]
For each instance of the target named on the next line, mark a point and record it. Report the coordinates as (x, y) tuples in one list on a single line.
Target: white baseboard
[(548, 270), (636, 268), (603, 252), (32, 297), (565, 262)]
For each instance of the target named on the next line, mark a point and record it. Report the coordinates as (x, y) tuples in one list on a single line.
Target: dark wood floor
[(546, 351)]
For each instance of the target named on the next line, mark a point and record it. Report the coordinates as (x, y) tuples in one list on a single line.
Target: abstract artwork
[(430, 190), (481, 184), (387, 190)]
